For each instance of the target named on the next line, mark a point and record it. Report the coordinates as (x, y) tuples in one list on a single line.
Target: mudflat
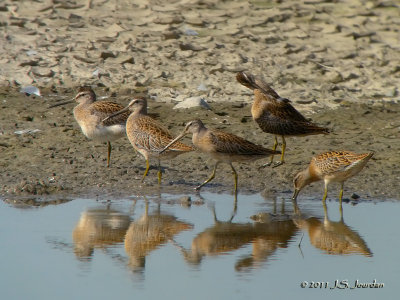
[(337, 61), (44, 152)]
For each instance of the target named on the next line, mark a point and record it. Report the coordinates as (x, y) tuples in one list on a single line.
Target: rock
[(186, 47), (43, 72), (123, 59), (107, 54), (168, 20), (29, 90), (193, 102)]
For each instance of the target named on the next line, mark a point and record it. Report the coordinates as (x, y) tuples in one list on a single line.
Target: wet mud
[(45, 155)]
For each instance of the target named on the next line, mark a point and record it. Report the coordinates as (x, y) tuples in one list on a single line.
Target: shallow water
[(157, 248)]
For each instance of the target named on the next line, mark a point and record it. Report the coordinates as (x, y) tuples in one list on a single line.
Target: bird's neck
[(86, 101), (140, 111)]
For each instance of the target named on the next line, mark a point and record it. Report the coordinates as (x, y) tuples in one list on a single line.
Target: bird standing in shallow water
[(333, 166), (222, 146), (147, 136), (275, 114), (89, 114)]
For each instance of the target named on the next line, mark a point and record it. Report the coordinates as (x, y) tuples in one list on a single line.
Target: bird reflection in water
[(149, 233), (226, 237), (332, 237), (98, 228)]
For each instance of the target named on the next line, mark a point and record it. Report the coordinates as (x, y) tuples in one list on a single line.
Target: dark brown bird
[(275, 114), (222, 146)]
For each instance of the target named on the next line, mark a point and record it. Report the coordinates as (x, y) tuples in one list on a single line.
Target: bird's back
[(103, 109), (146, 133), (278, 116), (343, 164), (223, 144), (90, 115)]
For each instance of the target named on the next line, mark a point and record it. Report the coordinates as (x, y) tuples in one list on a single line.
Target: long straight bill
[(116, 114), (173, 142), (61, 103)]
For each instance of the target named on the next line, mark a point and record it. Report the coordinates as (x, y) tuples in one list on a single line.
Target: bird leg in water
[(325, 193), (341, 193), (235, 176)]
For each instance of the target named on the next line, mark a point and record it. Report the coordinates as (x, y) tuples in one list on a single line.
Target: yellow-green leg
[(234, 208), (159, 173), (108, 154), (340, 200), (272, 156), (295, 206), (147, 170), (235, 176), (341, 193), (326, 218), (325, 193), (210, 178), (282, 161)]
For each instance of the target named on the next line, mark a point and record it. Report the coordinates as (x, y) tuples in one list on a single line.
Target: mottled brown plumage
[(333, 166), (222, 146), (147, 136), (275, 114), (89, 114)]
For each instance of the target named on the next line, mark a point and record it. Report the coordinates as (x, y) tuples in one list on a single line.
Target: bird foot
[(265, 165), (279, 163)]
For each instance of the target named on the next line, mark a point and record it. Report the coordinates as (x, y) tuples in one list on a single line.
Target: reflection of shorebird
[(333, 166), (148, 233), (333, 237), (226, 237), (222, 146), (89, 114), (147, 136), (275, 114), (98, 228)]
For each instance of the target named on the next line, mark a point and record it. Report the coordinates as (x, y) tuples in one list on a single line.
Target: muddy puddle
[(197, 247)]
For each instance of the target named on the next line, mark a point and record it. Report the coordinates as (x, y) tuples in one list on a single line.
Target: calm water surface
[(155, 248)]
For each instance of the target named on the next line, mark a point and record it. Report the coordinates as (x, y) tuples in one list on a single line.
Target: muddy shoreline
[(58, 161), (337, 61)]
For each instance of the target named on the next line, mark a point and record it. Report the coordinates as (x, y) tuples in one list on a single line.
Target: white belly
[(102, 133)]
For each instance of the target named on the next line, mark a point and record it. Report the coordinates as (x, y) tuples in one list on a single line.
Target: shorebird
[(89, 114), (275, 114), (333, 166), (147, 136), (222, 146)]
